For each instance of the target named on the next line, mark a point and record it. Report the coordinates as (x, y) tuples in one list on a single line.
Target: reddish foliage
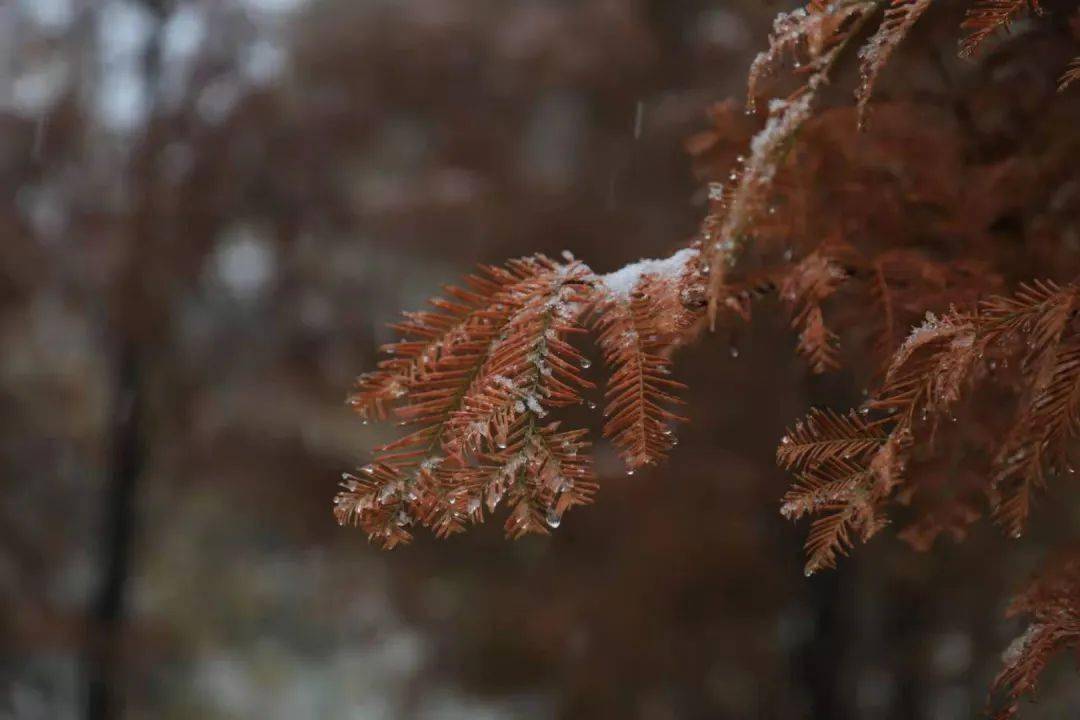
[(884, 240)]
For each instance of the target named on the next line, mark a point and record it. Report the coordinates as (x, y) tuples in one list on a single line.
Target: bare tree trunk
[(134, 319), (126, 461)]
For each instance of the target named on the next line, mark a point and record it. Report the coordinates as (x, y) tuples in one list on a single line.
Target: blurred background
[(212, 208)]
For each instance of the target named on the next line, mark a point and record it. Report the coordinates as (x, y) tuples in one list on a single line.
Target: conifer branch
[(1071, 75), (478, 378), (900, 18), (952, 518), (988, 17), (848, 469), (639, 323), (481, 377), (1052, 602), (818, 34), (824, 436), (928, 376), (446, 375), (810, 283), (929, 372)]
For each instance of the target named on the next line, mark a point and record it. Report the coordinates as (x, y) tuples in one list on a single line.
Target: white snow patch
[(1019, 645), (623, 281)]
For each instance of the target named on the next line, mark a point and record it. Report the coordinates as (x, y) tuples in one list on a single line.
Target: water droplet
[(553, 518), (734, 351), (363, 421), (808, 572), (785, 440), (501, 444), (630, 471), (591, 405), (586, 364)]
